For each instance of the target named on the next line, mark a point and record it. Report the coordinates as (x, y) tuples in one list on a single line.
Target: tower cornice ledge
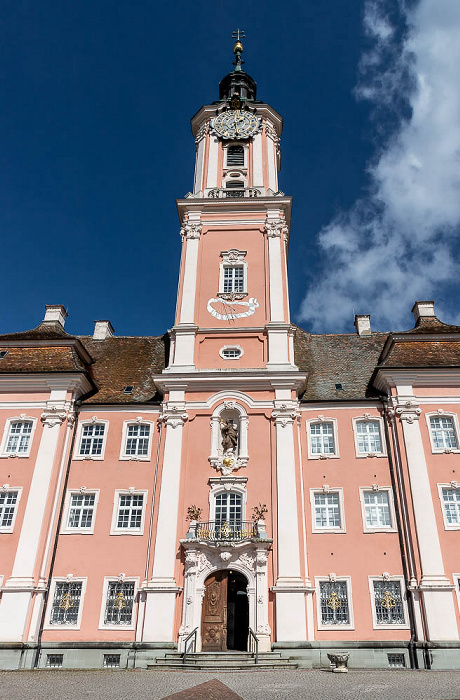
[(263, 110), (235, 206), (213, 380)]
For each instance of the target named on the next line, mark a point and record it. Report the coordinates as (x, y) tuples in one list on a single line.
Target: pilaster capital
[(191, 229), (52, 416), (285, 413), (202, 132), (409, 411), (174, 415), (276, 228)]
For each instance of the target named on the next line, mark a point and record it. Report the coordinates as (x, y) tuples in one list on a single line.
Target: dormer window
[(235, 156)]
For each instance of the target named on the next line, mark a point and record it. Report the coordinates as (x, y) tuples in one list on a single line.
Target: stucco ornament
[(228, 462)]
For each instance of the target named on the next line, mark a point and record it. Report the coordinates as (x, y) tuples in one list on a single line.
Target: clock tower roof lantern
[(238, 83)]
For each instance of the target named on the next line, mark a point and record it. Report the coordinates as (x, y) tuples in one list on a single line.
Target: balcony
[(219, 532)]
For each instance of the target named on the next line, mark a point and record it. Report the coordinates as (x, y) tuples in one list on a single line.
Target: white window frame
[(8, 489), (325, 455), (6, 431), (233, 258), (447, 526), (376, 489), (114, 530), (124, 440), (65, 529), (105, 590), (456, 580), (235, 167), (368, 418), (81, 425), (443, 414), (375, 625), (65, 579), (228, 485), (326, 491), (231, 347), (320, 624)]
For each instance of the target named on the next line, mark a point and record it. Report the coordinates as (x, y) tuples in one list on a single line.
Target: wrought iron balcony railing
[(223, 531)]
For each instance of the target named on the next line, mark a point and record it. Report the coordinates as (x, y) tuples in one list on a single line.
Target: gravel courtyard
[(249, 685)]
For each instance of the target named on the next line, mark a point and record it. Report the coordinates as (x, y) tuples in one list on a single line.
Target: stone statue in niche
[(229, 436)]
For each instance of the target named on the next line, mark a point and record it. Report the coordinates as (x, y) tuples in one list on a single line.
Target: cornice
[(423, 376), (231, 380), (43, 381), (243, 205)]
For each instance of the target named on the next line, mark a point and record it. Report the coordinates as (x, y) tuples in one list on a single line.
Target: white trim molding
[(332, 578), (105, 589), (454, 486), (376, 488), (320, 419), (94, 420), (398, 579), (65, 529), (237, 348), (22, 418), (233, 258), (139, 420), (131, 491), (441, 413), (326, 490), (61, 579), (6, 488), (369, 418)]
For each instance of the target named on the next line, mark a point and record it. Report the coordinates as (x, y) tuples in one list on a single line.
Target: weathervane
[(238, 48)]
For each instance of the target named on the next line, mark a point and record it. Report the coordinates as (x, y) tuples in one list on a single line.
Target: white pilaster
[(289, 588), (212, 162), (257, 166), (16, 599), (435, 587), (162, 589), (200, 141), (272, 144), (190, 233), (278, 329)]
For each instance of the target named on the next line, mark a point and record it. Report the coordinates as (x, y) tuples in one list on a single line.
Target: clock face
[(234, 124)]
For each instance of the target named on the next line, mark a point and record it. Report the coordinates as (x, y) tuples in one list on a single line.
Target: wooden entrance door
[(214, 616)]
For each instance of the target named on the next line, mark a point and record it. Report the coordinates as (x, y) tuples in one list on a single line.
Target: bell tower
[(233, 306)]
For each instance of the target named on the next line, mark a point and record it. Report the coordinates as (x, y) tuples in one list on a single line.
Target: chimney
[(102, 330), (423, 309), (55, 313), (363, 324)]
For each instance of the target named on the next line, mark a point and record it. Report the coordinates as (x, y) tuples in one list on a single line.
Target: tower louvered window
[(235, 156)]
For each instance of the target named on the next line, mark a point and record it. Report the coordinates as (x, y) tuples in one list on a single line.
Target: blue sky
[(97, 146)]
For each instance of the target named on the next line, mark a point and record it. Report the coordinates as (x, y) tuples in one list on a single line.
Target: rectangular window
[(137, 440), (334, 603), (443, 433), (451, 505), (81, 511), (54, 660), (112, 660), (233, 279), (92, 439), (19, 437), (130, 511), (119, 603), (388, 603), (322, 438), (396, 661), (66, 603), (377, 509), (327, 511), (368, 435), (8, 503)]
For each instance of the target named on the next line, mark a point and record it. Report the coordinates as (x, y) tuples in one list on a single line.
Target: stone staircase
[(222, 661)]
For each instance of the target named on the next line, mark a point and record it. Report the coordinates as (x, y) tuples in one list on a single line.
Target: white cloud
[(396, 244)]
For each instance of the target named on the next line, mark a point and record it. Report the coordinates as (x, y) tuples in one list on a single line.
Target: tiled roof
[(347, 360), (431, 324), (424, 353), (123, 361), (40, 359), (47, 330)]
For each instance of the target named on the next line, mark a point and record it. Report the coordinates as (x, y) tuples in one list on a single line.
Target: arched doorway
[(225, 616)]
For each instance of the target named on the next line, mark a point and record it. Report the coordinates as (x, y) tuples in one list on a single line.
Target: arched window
[(235, 156)]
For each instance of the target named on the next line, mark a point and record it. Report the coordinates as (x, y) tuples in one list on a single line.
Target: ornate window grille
[(19, 437), (327, 510), (377, 509), (130, 510), (92, 439), (119, 603), (369, 439), (322, 438), (451, 504), (81, 510), (233, 279), (137, 440), (334, 603), (229, 509), (235, 156), (443, 432), (66, 603), (8, 503), (389, 609)]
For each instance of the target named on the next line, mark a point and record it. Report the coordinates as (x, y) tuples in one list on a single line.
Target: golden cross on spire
[(238, 34), (238, 48)]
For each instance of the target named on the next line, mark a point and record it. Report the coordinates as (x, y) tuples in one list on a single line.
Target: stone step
[(222, 662), (223, 656), (263, 666)]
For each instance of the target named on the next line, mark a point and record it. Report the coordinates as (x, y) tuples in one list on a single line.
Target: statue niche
[(229, 436)]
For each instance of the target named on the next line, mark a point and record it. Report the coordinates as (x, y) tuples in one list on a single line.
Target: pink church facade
[(239, 478)]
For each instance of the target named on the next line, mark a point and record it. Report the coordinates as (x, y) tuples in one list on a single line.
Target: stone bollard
[(340, 660)]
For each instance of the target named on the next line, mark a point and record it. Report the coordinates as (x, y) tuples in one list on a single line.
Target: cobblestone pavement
[(249, 685)]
